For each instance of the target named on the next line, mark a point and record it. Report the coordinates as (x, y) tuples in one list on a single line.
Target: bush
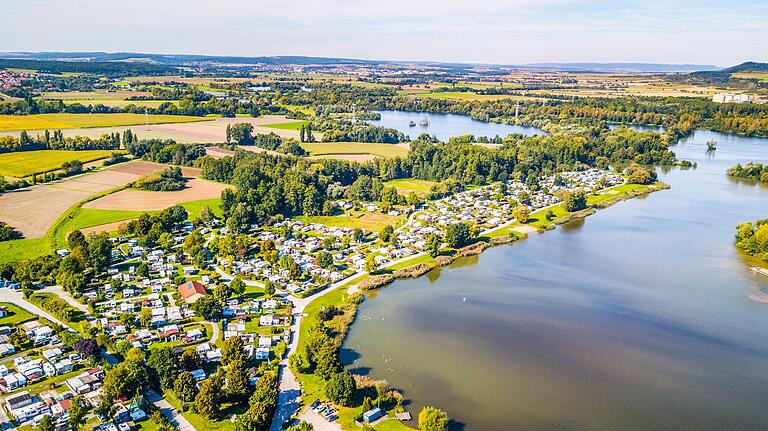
[(575, 200)]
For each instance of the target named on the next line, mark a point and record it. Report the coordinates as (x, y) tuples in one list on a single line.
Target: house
[(3, 311), (199, 375), (268, 320), (191, 291), (262, 354), (14, 381), (87, 381)]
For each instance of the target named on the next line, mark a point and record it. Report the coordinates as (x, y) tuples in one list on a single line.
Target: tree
[(521, 213), (324, 259), (575, 200), (232, 351), (255, 419), (208, 400), (222, 292), (358, 234), (637, 174), (433, 244), (302, 426), (237, 286), (387, 233), (366, 404), (87, 348), (190, 360), (432, 419), (46, 424), (145, 317), (99, 252), (207, 307), (76, 413), (164, 363), (185, 386), (457, 234), (327, 361), (341, 388), (237, 379), (19, 339)]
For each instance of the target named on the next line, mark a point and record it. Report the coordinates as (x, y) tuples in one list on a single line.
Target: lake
[(636, 318), (446, 125)]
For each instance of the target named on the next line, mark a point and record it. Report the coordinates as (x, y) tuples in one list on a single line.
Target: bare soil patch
[(140, 200), (33, 210), (108, 227)]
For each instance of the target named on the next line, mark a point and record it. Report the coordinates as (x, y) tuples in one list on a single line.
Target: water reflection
[(643, 316)]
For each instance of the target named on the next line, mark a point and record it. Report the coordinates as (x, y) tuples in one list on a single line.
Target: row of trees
[(57, 141)]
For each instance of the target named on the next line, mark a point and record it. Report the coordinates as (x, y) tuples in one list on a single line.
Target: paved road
[(179, 422), (15, 297)]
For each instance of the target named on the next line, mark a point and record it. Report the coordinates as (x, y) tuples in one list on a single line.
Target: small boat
[(759, 270), (411, 124), (424, 122)]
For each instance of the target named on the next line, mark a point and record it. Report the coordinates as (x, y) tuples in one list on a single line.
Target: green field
[(293, 125), (15, 315), (78, 121), (22, 164), (22, 249), (405, 186), (340, 148)]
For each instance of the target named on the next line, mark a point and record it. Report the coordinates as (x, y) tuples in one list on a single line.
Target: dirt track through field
[(140, 200), (33, 210)]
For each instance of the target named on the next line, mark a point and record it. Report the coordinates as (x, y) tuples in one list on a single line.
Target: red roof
[(191, 288)]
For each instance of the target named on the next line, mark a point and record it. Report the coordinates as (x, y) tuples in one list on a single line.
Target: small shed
[(372, 415)]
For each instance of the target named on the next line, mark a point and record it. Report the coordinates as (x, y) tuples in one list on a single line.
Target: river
[(446, 125), (636, 318)]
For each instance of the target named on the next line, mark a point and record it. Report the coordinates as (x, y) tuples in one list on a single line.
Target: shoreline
[(506, 233)]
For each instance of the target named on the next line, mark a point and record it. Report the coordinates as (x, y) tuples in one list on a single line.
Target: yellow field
[(405, 186), (78, 121), (25, 163), (333, 148)]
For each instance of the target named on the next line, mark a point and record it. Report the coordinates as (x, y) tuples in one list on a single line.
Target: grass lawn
[(373, 222), (410, 262), (21, 164), (407, 185), (202, 424), (330, 148), (294, 125), (78, 121), (15, 315), (392, 425), (22, 249)]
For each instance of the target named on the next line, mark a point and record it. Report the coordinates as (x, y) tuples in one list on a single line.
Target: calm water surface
[(446, 125), (637, 318)]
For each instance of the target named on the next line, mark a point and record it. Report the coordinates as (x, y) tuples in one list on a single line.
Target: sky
[(720, 32)]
